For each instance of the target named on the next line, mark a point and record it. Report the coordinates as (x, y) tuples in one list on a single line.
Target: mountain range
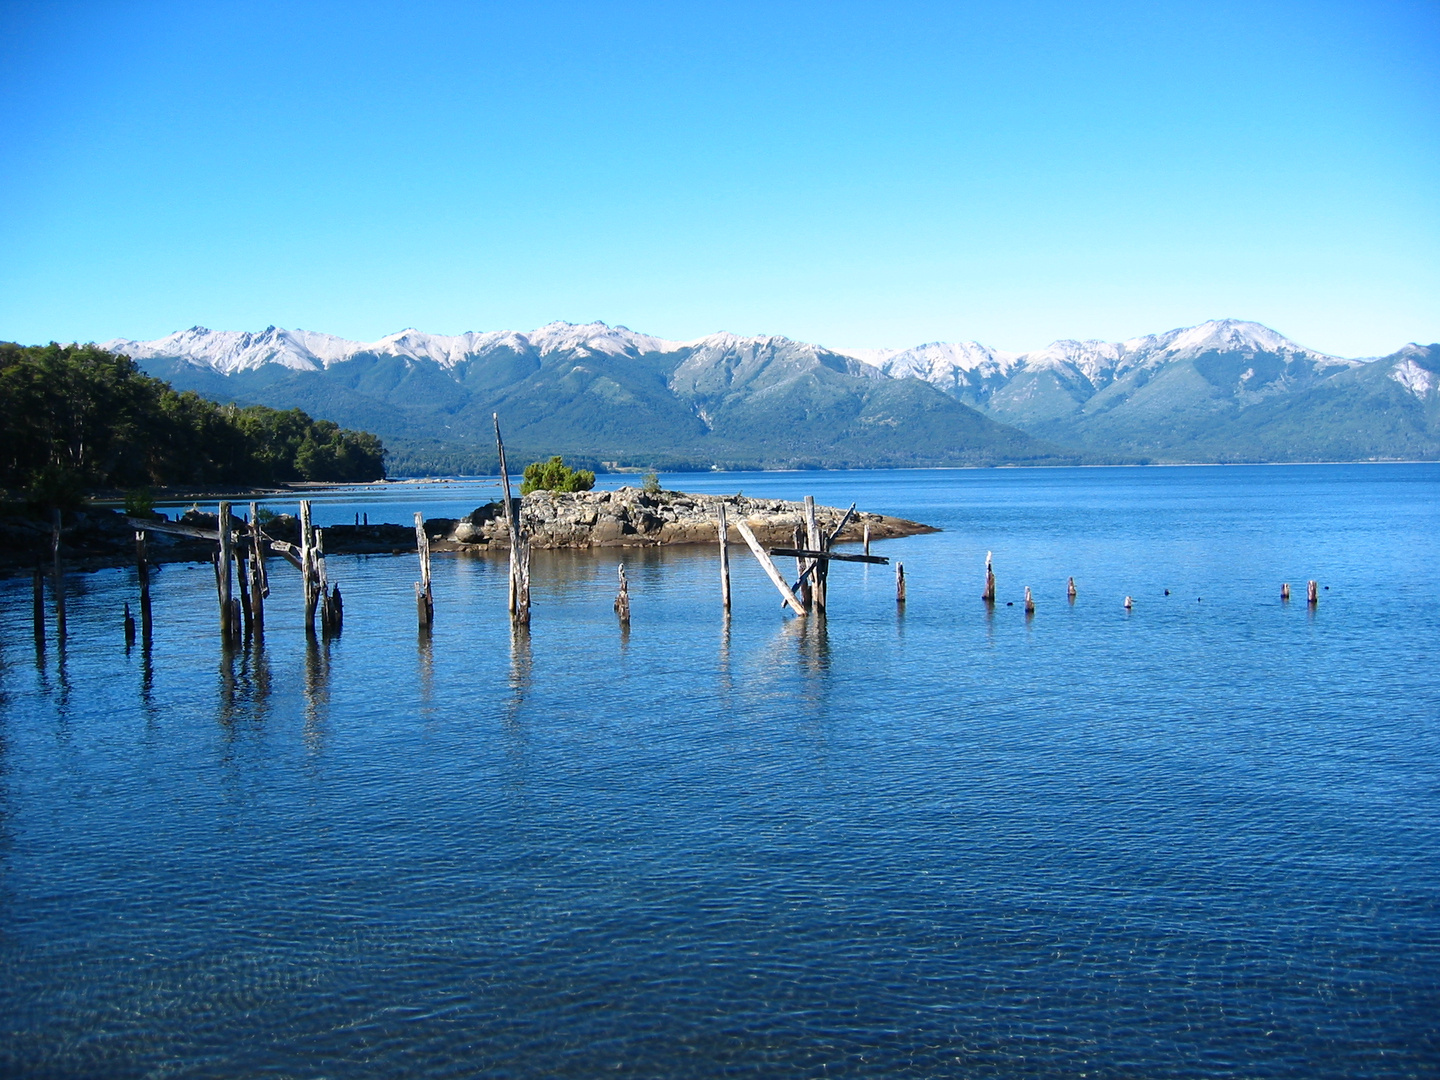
[(1225, 390)]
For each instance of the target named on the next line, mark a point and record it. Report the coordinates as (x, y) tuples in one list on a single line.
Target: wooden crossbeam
[(805, 553)]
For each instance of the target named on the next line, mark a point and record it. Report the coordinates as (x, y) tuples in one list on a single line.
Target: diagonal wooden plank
[(769, 566)]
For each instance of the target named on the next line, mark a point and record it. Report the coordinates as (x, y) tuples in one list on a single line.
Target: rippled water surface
[(1198, 839)]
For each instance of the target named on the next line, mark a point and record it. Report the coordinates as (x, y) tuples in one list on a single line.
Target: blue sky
[(860, 175)]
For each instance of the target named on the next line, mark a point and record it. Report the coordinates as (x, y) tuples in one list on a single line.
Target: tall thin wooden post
[(519, 592), (867, 538), (307, 564), (622, 598), (222, 579), (900, 583), (39, 587), (57, 576), (142, 571), (815, 542), (724, 559), (806, 596), (259, 584), (989, 594), (424, 599)]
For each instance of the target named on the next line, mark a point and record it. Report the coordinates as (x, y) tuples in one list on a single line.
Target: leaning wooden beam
[(830, 556), (290, 552), (174, 528), (764, 560), (835, 532)]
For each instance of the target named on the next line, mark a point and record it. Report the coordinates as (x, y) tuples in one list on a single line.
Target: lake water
[(1201, 838)]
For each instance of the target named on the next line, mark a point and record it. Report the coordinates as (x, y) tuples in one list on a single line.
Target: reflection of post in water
[(815, 645), (227, 681), (426, 651), (317, 683), (726, 683)]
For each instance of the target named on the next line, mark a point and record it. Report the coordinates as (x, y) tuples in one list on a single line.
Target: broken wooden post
[(242, 583), (759, 552), (1285, 592), (724, 559), (424, 599), (900, 583), (622, 598), (519, 592), (39, 586), (259, 581), (322, 581), (814, 542), (867, 538), (989, 594), (129, 626), (222, 574), (1312, 594), (308, 570), (1129, 603), (1029, 602), (142, 571), (57, 576), (1070, 590), (337, 608)]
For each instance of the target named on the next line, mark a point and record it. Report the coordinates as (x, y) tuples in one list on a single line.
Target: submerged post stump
[(1129, 603), (900, 583), (1029, 602), (622, 598), (989, 594), (1070, 590), (129, 625), (1285, 591), (724, 559), (1312, 593)]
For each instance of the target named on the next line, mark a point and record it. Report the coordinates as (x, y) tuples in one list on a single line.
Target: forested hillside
[(75, 417)]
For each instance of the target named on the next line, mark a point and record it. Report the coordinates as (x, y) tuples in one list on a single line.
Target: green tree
[(555, 475)]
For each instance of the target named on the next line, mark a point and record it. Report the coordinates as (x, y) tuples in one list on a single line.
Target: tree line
[(76, 417)]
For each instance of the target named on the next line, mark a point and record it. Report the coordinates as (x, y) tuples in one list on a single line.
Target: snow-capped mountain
[(1193, 393)]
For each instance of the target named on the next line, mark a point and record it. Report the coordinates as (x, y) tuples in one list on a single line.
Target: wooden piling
[(867, 538), (815, 542), (129, 625), (242, 584), (622, 598), (1029, 602), (308, 571), (989, 594), (1285, 592), (1312, 594), (424, 599), (57, 572), (142, 571), (1129, 603), (1070, 590), (222, 571), (259, 579), (519, 591), (724, 559), (39, 614), (900, 583)]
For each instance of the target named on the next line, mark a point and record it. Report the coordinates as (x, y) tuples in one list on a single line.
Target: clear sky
[(855, 174)]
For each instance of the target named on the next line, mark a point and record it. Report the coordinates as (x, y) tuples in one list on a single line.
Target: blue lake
[(1201, 838)]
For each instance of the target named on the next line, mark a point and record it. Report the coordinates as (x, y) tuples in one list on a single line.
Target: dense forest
[(75, 417)]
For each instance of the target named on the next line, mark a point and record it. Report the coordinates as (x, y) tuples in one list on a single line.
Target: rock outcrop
[(630, 517)]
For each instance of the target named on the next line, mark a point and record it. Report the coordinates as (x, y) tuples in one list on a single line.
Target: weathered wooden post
[(322, 581), (242, 584), (622, 598), (867, 538), (39, 614), (424, 599), (308, 571), (1029, 602), (222, 575), (1312, 594), (142, 571), (900, 583), (519, 592), (57, 576), (724, 559), (259, 582), (814, 542), (989, 594), (1285, 592), (1129, 603), (1070, 590)]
